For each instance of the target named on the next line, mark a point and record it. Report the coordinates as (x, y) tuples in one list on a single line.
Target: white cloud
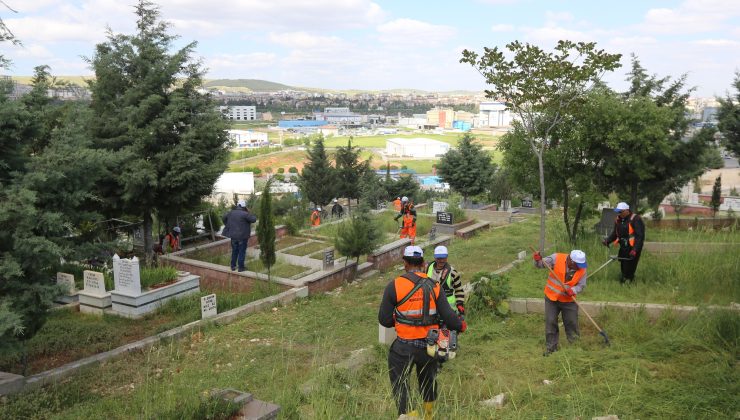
[(692, 16), (558, 16), (502, 27), (49, 30), (717, 42), (305, 40), (226, 63), (631, 41), (410, 31)]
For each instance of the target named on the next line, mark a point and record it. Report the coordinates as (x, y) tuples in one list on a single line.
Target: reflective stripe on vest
[(446, 282), (553, 290), (631, 231), (411, 320)]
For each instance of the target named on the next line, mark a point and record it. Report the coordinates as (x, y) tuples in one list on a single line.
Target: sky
[(388, 44)]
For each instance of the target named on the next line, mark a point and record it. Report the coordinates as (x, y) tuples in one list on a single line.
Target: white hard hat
[(242, 204), (413, 251), (578, 257), (622, 206), (405, 198), (440, 252), (335, 200), (318, 208)]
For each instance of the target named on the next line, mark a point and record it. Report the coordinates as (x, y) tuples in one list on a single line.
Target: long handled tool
[(601, 331)]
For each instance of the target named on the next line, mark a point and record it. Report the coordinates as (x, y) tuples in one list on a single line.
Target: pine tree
[(468, 169), (318, 179), (349, 170), (729, 118), (167, 141), (358, 236), (266, 229), (716, 195)]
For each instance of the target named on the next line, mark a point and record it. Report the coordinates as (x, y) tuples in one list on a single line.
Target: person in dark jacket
[(629, 232), (238, 227), (413, 304)]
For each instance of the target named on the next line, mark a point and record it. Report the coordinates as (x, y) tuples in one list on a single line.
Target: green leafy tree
[(318, 178), (541, 88), (358, 236), (716, 195), (167, 140), (467, 168), (349, 169), (729, 118), (7, 36), (266, 229), (371, 187)]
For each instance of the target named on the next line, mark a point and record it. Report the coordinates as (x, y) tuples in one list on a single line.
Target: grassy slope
[(663, 369)]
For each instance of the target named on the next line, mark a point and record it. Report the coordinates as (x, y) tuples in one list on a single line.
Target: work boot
[(429, 410)]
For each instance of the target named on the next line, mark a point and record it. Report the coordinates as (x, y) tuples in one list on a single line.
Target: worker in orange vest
[(171, 241), (629, 233), (408, 222), (316, 217), (414, 304), (569, 269), (397, 204)]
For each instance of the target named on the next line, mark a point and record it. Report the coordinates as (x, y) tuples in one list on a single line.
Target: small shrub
[(293, 170), (489, 294), (281, 170), (152, 276)]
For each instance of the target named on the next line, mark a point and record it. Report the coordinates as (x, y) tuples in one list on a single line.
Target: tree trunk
[(576, 220), (542, 201), (633, 197), (566, 204), (148, 251)]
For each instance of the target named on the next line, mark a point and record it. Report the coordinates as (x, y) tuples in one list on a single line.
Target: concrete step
[(258, 410), (369, 274)]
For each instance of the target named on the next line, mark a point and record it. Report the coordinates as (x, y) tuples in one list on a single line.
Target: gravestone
[(94, 283), (126, 275), (554, 204), (444, 218), (208, 306), (606, 224), (527, 202), (67, 281), (139, 237), (505, 205), (328, 259), (730, 203), (432, 233), (603, 205), (438, 206)]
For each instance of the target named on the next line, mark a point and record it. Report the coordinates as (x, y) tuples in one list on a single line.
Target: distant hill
[(254, 85)]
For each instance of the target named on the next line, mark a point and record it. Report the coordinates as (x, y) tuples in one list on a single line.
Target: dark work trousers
[(628, 265), (401, 359), (570, 320), (238, 254)]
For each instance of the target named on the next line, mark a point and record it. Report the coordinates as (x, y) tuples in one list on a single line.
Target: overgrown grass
[(153, 276), (280, 269), (308, 248), (70, 335), (693, 236), (662, 369)]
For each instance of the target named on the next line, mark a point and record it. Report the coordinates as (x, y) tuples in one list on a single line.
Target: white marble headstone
[(67, 281), (208, 306), (438, 206), (126, 275), (94, 283)]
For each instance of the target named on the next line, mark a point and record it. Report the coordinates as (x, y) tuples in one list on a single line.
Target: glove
[(633, 253), (605, 243), (569, 290), (464, 325), (460, 309), (537, 257)]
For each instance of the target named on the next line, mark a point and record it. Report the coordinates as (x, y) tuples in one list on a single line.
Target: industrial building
[(494, 114), (239, 112), (339, 116), (248, 139), (442, 118), (229, 184), (417, 147)]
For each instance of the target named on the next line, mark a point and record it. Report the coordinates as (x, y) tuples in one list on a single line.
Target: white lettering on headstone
[(208, 306), (438, 206), (67, 281), (94, 282), (730, 203), (127, 278)]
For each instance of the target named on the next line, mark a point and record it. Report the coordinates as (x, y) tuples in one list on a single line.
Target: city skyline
[(379, 45)]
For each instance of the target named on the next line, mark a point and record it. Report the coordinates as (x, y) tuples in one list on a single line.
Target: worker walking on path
[(337, 211), (397, 204), (446, 275), (408, 222), (238, 227), (570, 270), (414, 304), (629, 232), (315, 218)]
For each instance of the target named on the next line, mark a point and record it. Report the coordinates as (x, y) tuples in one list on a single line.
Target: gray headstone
[(606, 224), (94, 282), (328, 259), (67, 281), (438, 206)]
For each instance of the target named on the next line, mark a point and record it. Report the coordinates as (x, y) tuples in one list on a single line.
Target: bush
[(281, 170), (489, 294), (152, 276), (293, 170)]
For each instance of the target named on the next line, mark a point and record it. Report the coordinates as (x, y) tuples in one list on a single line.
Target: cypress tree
[(716, 195), (266, 229)]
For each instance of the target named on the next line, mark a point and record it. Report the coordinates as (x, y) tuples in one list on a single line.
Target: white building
[(494, 114), (339, 116), (248, 139), (417, 147), (239, 112), (230, 183)]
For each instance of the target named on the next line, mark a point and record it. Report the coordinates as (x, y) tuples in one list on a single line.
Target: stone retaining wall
[(443, 229), (472, 230), (388, 255)]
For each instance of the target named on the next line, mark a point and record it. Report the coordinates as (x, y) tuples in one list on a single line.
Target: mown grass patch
[(308, 248)]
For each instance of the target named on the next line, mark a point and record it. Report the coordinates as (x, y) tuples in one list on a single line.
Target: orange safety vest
[(171, 241), (416, 310), (553, 290), (397, 204), (631, 237), (315, 218)]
